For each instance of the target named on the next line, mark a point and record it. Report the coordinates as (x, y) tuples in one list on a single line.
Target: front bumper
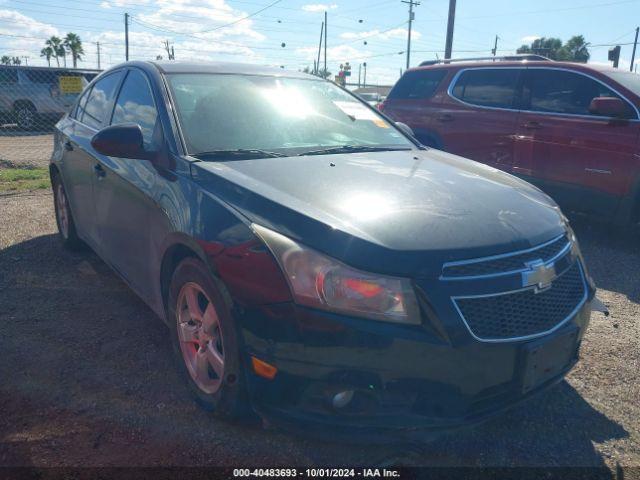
[(406, 379)]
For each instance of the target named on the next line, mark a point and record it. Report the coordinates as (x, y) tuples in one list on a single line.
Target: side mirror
[(124, 141), (608, 107), (406, 129)]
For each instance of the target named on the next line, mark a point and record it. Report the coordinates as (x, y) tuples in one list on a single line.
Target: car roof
[(517, 63), (227, 68)]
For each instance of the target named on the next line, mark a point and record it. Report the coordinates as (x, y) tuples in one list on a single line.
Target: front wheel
[(205, 340)]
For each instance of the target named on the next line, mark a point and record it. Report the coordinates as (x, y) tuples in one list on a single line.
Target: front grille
[(505, 263), (524, 313)]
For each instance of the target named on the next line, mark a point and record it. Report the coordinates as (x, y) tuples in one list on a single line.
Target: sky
[(286, 32)]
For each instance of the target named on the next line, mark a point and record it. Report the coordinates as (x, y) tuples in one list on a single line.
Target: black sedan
[(312, 261)]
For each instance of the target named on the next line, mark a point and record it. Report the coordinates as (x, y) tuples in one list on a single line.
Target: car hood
[(393, 212)]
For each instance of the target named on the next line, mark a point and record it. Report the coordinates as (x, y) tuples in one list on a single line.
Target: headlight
[(322, 282)]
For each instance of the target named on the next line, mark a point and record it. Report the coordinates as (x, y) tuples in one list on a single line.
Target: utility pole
[(411, 18), (126, 37), (317, 67), (359, 74), (495, 46), (452, 19), (326, 27), (365, 75), (98, 46), (633, 55)]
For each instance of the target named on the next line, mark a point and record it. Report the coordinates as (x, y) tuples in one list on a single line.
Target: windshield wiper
[(239, 152), (351, 149)]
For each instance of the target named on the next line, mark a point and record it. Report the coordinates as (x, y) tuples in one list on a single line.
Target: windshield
[(283, 115), (630, 81)]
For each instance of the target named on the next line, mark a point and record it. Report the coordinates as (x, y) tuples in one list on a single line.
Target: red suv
[(569, 128)]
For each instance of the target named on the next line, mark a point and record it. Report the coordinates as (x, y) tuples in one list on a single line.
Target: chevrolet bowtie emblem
[(539, 275)]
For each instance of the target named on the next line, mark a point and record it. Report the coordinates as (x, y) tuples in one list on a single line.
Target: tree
[(73, 43), (47, 52), (5, 60), (16, 61), (56, 46), (549, 47), (575, 50)]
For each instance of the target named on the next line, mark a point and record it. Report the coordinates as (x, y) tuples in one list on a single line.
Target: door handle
[(532, 125), (68, 146), (100, 172), (445, 117)]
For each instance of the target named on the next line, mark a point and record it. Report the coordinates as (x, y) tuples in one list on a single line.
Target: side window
[(135, 105), (95, 112), (80, 104), (417, 84), (560, 91), (494, 87)]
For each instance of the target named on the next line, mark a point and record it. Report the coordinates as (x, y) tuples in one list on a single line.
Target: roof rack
[(506, 58)]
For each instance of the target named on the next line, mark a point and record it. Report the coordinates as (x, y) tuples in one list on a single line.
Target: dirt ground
[(86, 376), (25, 149)]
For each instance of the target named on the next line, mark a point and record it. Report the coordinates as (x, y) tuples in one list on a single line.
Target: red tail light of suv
[(569, 128)]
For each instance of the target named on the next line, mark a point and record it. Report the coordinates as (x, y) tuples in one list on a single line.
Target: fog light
[(342, 399)]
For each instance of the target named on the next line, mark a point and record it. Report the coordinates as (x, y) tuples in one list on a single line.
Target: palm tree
[(5, 60), (56, 46), (47, 52), (73, 43), (16, 60)]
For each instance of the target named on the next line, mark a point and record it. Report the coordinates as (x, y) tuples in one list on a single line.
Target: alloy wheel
[(200, 337), (26, 118), (62, 211)]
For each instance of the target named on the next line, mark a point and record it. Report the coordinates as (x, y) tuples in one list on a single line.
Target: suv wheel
[(64, 218), (26, 117), (205, 340)]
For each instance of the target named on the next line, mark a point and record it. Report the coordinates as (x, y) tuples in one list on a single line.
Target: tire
[(205, 340), (64, 218), (26, 116)]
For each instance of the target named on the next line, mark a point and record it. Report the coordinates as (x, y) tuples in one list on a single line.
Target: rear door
[(78, 165), (411, 101), (477, 119), (580, 159)]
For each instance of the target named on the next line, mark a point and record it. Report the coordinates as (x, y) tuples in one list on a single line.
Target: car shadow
[(612, 255), (88, 379)]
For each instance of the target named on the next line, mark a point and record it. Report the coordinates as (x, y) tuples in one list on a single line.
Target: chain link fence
[(32, 100)]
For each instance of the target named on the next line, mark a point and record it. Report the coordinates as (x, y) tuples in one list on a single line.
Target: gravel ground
[(86, 376), (25, 149)]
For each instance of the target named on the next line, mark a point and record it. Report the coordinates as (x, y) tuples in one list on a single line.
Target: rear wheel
[(26, 116), (205, 340), (64, 218)]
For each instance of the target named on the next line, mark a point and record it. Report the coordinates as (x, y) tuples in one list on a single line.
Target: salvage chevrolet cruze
[(313, 261)]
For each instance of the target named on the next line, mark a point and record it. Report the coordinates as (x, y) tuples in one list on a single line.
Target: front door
[(124, 189), (580, 159), (477, 119)]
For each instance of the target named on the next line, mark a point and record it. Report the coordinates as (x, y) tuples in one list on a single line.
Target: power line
[(241, 19)]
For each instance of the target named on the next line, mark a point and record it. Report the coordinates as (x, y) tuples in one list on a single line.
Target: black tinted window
[(488, 87), (135, 105), (417, 84), (8, 75), (560, 91), (42, 76), (95, 112)]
